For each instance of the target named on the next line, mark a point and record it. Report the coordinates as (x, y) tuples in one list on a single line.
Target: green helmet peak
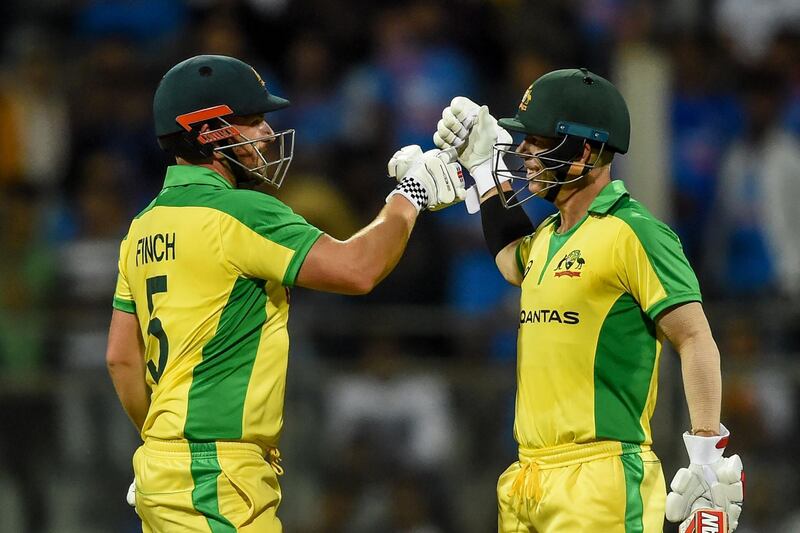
[(573, 102), (206, 81)]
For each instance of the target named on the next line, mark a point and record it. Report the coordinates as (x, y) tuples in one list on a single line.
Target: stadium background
[(400, 404)]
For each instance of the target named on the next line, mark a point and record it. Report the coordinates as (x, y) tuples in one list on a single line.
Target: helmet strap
[(569, 149)]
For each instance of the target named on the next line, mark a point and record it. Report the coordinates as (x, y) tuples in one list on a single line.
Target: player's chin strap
[(569, 149)]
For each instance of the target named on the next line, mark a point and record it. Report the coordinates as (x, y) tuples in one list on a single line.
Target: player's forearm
[(702, 383), (686, 327), (131, 389), (377, 248)]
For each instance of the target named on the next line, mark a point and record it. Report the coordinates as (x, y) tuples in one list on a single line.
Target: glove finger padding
[(726, 496), (447, 136), (439, 142), (402, 161), (688, 489), (454, 124), (729, 469), (680, 482), (463, 109)]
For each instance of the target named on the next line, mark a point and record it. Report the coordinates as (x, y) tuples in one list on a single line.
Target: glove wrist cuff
[(412, 191), (482, 174), (706, 450)]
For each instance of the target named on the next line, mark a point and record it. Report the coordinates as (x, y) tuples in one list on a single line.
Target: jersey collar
[(609, 196), (178, 175)]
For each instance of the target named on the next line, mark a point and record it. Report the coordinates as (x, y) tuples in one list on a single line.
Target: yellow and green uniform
[(588, 353), (205, 268)]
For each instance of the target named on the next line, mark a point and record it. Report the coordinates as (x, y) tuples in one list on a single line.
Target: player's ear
[(587, 153)]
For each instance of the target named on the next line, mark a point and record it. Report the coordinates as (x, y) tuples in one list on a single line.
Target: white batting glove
[(402, 161), (430, 181), (711, 481), (131, 496), (473, 132), (454, 127)]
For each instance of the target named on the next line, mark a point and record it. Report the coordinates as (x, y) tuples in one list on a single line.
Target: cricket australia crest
[(570, 265)]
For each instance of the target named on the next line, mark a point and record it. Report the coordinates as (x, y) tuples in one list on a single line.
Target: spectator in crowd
[(753, 245), (705, 116)]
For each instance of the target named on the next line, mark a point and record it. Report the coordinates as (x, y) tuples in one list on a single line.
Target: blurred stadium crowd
[(400, 403)]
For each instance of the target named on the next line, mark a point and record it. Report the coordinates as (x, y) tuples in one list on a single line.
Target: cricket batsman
[(198, 345), (602, 284)]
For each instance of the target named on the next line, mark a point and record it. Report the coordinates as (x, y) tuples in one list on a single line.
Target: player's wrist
[(703, 432), (402, 206)]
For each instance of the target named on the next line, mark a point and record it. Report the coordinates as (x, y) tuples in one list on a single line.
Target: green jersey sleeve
[(263, 238), (653, 267)]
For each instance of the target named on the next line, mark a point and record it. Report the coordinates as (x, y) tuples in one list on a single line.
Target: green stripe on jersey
[(665, 253), (205, 471), (623, 368), (129, 306), (220, 381), (634, 475)]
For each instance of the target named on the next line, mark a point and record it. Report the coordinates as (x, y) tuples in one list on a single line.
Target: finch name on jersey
[(155, 248), (548, 315)]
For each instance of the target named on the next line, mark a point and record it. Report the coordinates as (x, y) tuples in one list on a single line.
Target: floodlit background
[(399, 407)]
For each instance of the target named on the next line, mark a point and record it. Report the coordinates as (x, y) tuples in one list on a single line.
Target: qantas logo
[(547, 316)]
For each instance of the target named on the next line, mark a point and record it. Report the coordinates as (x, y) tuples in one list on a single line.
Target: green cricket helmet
[(572, 106), (210, 89)]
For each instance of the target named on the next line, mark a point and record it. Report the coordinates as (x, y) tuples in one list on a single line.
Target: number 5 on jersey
[(157, 285)]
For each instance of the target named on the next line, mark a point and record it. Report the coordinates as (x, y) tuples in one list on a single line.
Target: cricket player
[(602, 282), (198, 345)]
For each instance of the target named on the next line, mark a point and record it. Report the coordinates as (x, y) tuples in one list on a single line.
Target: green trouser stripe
[(205, 471), (634, 474)]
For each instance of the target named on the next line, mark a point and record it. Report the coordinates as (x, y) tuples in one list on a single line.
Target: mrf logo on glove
[(708, 521)]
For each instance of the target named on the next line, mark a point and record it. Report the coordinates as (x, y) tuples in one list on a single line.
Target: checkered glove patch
[(414, 191)]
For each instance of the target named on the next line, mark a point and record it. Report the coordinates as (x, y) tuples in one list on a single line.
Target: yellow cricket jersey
[(588, 350), (205, 269)]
